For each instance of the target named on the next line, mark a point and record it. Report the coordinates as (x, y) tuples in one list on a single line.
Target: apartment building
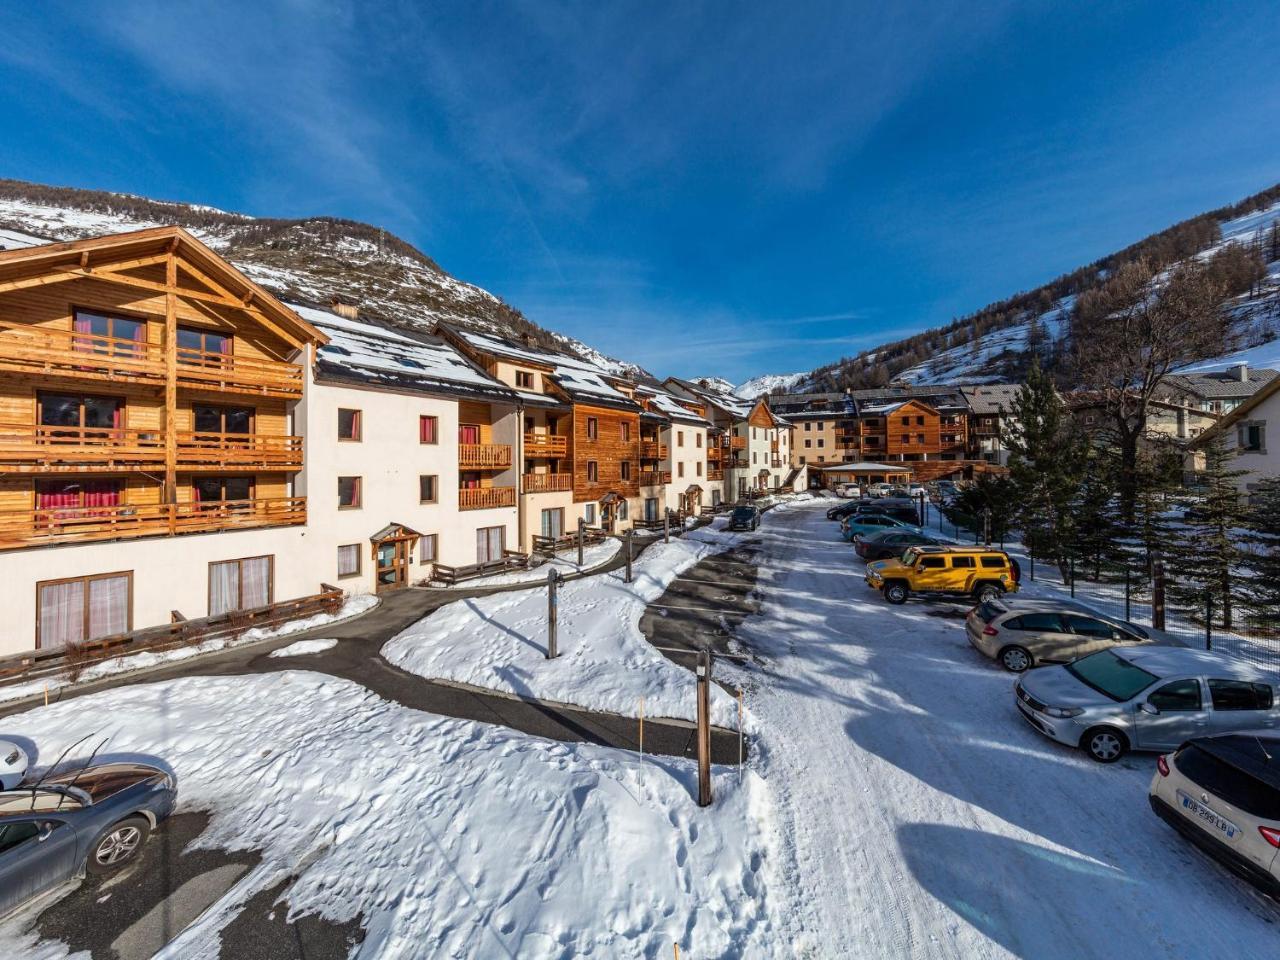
[(990, 417), (825, 427), (680, 430), (411, 456), (1216, 391), (148, 455)]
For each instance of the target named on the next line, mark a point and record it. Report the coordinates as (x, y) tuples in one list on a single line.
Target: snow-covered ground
[(499, 642), (302, 648), (449, 838)]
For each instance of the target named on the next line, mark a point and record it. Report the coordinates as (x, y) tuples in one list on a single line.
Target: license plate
[(1208, 817)]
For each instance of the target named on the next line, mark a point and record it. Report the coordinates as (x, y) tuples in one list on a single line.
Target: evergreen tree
[(1203, 555), (1095, 542), (987, 495), (1261, 593), (1047, 457)]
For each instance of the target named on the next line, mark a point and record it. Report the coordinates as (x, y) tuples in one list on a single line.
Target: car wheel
[(895, 592), (1015, 659), (1105, 744), (986, 592), (118, 845)]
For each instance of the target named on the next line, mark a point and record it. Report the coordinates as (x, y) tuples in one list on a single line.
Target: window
[(553, 522), (103, 332), (697, 440), (679, 468), (993, 562), (1110, 675), (83, 609), (348, 493), (698, 467), (524, 379), (624, 470), (1228, 781), (1239, 695), (1179, 696), (933, 563), (469, 433), (808, 442), (1252, 438), (593, 471), (1089, 627), (81, 413), (589, 513), (63, 495), (490, 543), (428, 548), (622, 509), (624, 431), (906, 421), (679, 438), (13, 834), (348, 424), (428, 429), (349, 560), (821, 442), (593, 428), (211, 419), (428, 491), (221, 489), (202, 347), (919, 421), (808, 426), (239, 584), (919, 438)]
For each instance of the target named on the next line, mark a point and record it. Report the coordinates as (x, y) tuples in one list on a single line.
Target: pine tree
[(1095, 540), (1047, 455), (1035, 337), (1261, 593), (1203, 555)]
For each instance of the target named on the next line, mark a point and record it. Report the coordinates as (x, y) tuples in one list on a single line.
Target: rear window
[(1239, 695), (1233, 785), (1036, 621), (1110, 675), (993, 562), (988, 611)]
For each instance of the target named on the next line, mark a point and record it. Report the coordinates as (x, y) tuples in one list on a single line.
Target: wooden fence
[(452, 576)]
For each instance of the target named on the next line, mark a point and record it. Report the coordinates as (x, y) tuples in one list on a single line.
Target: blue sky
[(702, 188)]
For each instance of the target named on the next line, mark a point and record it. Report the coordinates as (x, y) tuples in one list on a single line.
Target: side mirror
[(920, 569), (1150, 708)]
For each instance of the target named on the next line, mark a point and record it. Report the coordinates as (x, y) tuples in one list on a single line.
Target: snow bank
[(303, 647), (128, 663), (605, 663), (594, 555), (449, 838)]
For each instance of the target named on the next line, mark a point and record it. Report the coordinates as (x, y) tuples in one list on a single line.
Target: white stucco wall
[(1257, 463), (691, 456)]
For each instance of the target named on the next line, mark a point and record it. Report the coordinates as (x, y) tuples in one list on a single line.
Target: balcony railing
[(736, 443), (650, 478), (714, 473), (548, 482), (484, 456), (775, 461), (25, 348), (545, 445), (653, 451), (26, 528), (486, 498), (238, 451), (30, 448)]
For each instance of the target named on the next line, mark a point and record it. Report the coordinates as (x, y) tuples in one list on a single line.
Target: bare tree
[(1130, 334)]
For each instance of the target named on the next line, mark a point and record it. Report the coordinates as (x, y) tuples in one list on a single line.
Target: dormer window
[(524, 380)]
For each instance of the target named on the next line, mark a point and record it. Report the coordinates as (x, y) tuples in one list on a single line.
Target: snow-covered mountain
[(768, 383), (307, 260)]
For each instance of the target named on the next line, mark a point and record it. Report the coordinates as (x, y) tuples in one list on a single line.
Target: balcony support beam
[(171, 381)]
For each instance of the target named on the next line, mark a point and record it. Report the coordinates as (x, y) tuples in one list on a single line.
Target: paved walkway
[(358, 658)]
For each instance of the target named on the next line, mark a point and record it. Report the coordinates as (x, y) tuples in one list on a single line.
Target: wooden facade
[(145, 389), (608, 439)]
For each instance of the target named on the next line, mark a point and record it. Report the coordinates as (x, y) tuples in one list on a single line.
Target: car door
[(1240, 705), (931, 573), (1091, 634), (1172, 713), (36, 853), (1045, 635)]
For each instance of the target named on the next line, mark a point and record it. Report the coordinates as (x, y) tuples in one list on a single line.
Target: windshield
[(1110, 675), (1136, 630), (909, 557)]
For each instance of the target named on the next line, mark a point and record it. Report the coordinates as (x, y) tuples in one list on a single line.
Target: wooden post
[(580, 536), (1157, 592), (666, 525), (171, 383), (704, 728), (552, 581), (740, 735), (630, 531), (642, 727)]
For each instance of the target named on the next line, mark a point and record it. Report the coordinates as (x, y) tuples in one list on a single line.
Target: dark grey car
[(95, 819)]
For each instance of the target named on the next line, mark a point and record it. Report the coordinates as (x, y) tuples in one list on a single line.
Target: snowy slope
[(768, 383), (310, 260)]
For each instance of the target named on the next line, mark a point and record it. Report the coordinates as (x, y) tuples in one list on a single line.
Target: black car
[(891, 543), (744, 518), (906, 512), (93, 819)]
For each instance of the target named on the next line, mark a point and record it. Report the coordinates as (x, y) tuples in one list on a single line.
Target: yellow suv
[(978, 572)]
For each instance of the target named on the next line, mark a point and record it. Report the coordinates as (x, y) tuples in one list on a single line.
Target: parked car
[(916, 490), (891, 543), (902, 510), (94, 819), (945, 571), (1223, 794), (869, 524), (744, 518), (13, 765), (848, 490), (842, 510), (880, 489), (1145, 698), (1020, 634)]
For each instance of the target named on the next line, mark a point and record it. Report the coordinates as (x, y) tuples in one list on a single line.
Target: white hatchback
[(13, 765)]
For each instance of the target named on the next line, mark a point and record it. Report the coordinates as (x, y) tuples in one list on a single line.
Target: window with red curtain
[(468, 433), (202, 346), (75, 494), (469, 480), (427, 429), (102, 330)]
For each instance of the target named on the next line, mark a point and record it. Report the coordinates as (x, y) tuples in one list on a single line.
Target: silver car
[(1145, 698), (1020, 634)]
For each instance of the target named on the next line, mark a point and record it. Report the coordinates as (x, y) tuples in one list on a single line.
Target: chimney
[(529, 339), (348, 310), (1241, 372)]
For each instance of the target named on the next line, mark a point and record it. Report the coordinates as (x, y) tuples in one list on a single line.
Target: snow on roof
[(667, 405), (861, 466), (365, 348), (13, 240), (574, 375), (991, 398)]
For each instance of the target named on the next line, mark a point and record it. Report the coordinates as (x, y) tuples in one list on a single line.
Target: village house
[(1244, 433)]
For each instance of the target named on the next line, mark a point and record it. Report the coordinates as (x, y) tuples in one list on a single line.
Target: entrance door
[(393, 564), (651, 508)]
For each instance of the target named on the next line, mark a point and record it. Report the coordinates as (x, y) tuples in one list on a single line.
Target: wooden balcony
[(545, 445), (486, 498), (736, 443), (713, 453), (776, 461), (26, 348), (547, 482), (714, 473), (28, 528), (652, 451), (35, 448), (484, 456), (650, 478), (238, 451)]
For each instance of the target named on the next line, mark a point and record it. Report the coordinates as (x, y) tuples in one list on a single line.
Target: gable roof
[(1239, 413), (730, 404), (77, 259), (1222, 384), (991, 398)]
